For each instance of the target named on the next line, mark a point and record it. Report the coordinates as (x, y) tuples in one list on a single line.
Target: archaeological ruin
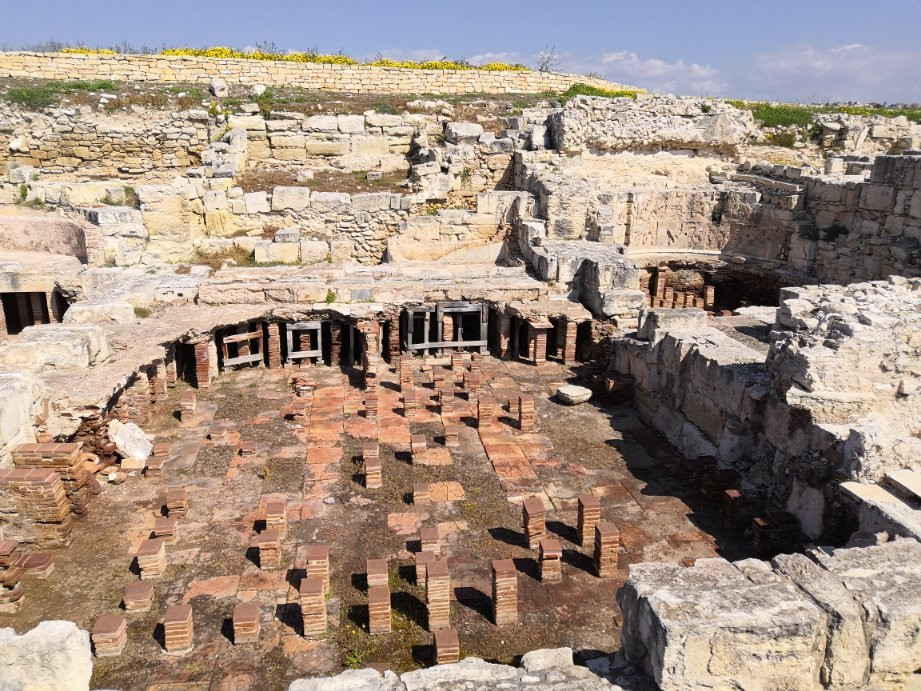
[(313, 382)]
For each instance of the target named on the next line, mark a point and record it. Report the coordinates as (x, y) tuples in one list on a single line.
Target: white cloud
[(659, 75), (850, 72)]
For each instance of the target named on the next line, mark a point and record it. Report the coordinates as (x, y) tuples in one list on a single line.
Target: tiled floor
[(476, 488)]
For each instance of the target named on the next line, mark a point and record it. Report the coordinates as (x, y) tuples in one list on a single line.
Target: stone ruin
[(296, 390)]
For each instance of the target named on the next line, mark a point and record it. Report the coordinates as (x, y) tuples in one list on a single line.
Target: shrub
[(330, 296), (142, 312), (581, 89), (45, 95)]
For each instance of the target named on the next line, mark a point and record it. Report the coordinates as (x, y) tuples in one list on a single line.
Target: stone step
[(861, 493)]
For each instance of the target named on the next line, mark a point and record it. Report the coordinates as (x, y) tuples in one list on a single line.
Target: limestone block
[(254, 123), (53, 655), (314, 251), (655, 323), (351, 124), (130, 442), (370, 144), (321, 123), (256, 203), (106, 312), (371, 201), (327, 147), (457, 132), (341, 250), (330, 199), (215, 201), (22, 396), (56, 345), (294, 198), (294, 154), (218, 87), (877, 197), (287, 140), (277, 252)]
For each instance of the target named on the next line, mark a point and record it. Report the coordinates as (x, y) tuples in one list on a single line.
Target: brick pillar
[(273, 346), (172, 374), (567, 348), (379, 618), (203, 363), (38, 306), (504, 592), (394, 341), (160, 380), (318, 564), (534, 520), (313, 606), (447, 330), (438, 594), (551, 555), (4, 330), (607, 541), (709, 297), (447, 647), (526, 413), (539, 346), (589, 515), (335, 343), (504, 328)]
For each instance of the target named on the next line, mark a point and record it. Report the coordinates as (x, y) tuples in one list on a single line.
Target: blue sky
[(807, 50)]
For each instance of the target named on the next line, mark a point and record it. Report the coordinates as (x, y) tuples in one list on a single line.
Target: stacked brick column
[(567, 348), (534, 519), (335, 343), (273, 345), (438, 595), (318, 564), (607, 541), (34, 507), (589, 515), (504, 592), (379, 617), (487, 411), (550, 561), (504, 327), (202, 363), (68, 460), (377, 572), (373, 468), (313, 606), (394, 339), (447, 647), (526, 412), (537, 335), (246, 623), (178, 631)]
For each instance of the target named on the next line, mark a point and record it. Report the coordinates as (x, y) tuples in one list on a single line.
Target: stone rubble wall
[(867, 134), (121, 144), (337, 78), (589, 124), (834, 399), (845, 618)]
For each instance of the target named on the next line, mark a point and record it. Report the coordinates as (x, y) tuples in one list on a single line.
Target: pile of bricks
[(161, 451), (446, 397), (110, 635), (377, 572), (178, 630), (534, 521), (588, 518), (457, 363), (177, 502), (526, 413), (447, 647), (607, 542), (379, 619), (34, 507), (550, 561), (438, 594), (138, 597), (372, 403), (38, 564), (276, 516), (317, 557), (373, 467), (152, 558), (405, 368), (472, 384), (504, 592), (268, 543), (245, 623), (165, 528), (68, 460), (313, 606), (188, 404)]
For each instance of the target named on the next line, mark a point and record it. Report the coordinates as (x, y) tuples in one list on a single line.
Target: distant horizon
[(800, 52)]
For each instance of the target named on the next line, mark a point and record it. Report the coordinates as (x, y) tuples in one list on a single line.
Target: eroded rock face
[(540, 669), (53, 655)]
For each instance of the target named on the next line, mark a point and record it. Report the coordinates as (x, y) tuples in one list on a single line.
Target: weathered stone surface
[(130, 441), (293, 198), (573, 395), (53, 655)]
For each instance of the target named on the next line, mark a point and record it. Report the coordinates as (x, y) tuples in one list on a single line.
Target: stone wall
[(847, 618), (119, 144), (834, 398), (338, 78), (588, 124)]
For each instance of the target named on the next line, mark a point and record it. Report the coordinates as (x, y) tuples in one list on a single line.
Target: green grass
[(587, 90), (48, 94), (787, 114)]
